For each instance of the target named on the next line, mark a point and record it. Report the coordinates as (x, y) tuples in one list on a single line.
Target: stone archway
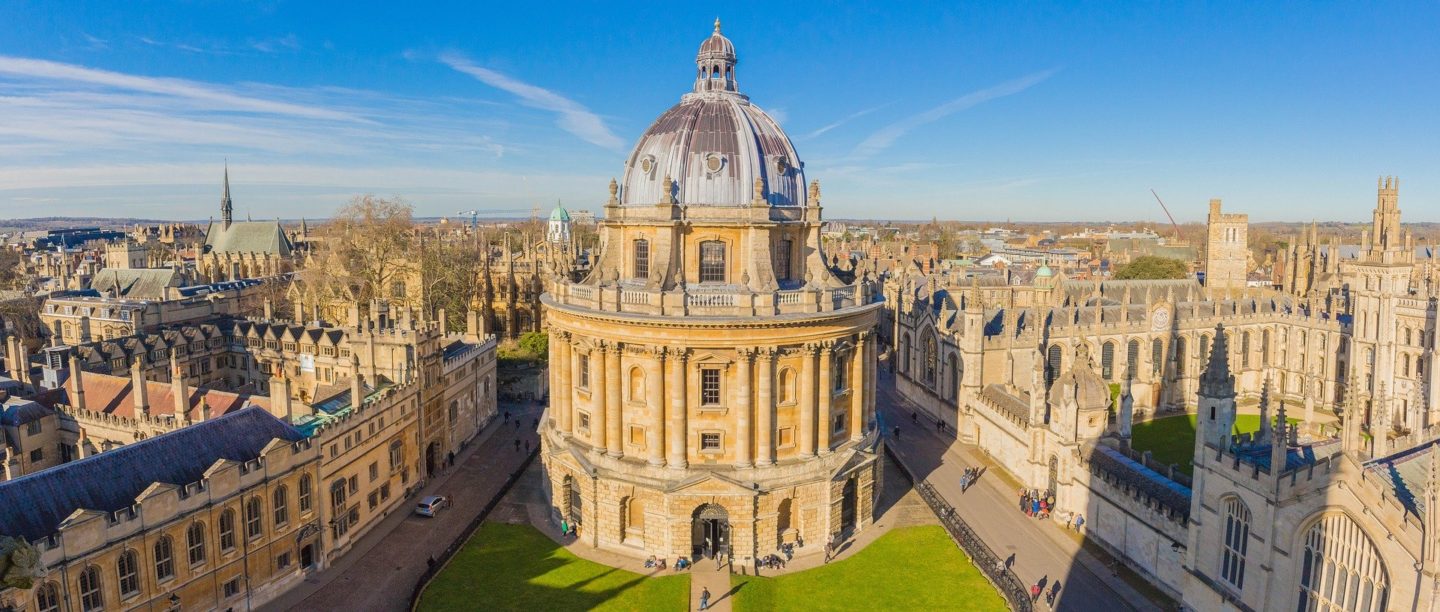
[(709, 531)]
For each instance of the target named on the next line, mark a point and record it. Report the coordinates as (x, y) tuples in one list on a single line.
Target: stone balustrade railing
[(703, 301)]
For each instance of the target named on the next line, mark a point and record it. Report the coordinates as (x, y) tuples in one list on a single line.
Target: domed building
[(712, 378)]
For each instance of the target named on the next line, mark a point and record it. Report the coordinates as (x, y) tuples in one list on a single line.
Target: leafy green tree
[(537, 343), (1150, 267)]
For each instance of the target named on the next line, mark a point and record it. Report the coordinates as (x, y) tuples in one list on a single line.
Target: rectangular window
[(282, 561), (374, 471), (642, 259), (839, 422), (373, 499), (584, 420), (710, 387), (710, 442), (385, 491), (584, 367), (37, 455), (782, 258), (33, 428), (232, 588), (712, 262)]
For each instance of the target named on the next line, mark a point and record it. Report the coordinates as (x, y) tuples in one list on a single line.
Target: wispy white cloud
[(95, 41), (220, 98), (844, 120), (572, 116), (289, 42), (886, 136)]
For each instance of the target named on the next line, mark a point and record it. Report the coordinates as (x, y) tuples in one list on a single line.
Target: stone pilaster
[(655, 403), (679, 443), (563, 394), (859, 386), (807, 400), (765, 408), (597, 397), (827, 394), (743, 401), (614, 424)]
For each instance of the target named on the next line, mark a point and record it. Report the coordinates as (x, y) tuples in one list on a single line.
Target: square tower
[(1227, 249)]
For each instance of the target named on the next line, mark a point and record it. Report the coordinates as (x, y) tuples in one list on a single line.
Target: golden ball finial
[(717, 25)]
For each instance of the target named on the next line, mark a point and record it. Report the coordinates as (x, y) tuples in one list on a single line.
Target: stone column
[(561, 394), (859, 386), (614, 433), (597, 396), (677, 450), (807, 401), (765, 409), (826, 389), (743, 401), (655, 403)]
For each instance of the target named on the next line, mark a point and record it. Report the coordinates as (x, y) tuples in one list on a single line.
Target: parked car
[(430, 505)]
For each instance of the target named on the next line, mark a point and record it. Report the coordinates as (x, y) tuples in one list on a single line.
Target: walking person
[(1079, 522), (1034, 593), (705, 598), (517, 445)]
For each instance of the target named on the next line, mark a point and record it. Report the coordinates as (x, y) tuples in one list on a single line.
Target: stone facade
[(712, 378), (1227, 250)]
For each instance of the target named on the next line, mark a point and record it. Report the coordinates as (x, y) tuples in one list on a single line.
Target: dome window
[(782, 165), (647, 165), (714, 162)]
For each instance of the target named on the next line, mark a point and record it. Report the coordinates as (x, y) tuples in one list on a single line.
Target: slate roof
[(140, 283), (1405, 473), (36, 504), (247, 237)]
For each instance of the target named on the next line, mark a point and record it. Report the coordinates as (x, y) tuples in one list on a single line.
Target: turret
[(1217, 394), (1280, 445), (1264, 434)]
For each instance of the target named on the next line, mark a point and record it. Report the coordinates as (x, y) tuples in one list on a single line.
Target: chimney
[(472, 325), (139, 389), (77, 385), (180, 390), (280, 405)]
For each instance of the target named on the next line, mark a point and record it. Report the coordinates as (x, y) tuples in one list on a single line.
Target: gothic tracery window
[(1237, 537), (931, 360), (1340, 568)]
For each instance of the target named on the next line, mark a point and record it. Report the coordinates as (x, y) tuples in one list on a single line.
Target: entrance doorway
[(848, 499), (710, 531), (430, 458), (307, 556)]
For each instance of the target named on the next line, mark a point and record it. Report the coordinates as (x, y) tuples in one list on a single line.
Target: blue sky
[(980, 111)]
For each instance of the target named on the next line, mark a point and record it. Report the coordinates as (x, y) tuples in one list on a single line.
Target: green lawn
[(913, 568), (515, 567), (1172, 439)]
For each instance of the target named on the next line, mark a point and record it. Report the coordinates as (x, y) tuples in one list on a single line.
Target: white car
[(430, 505)]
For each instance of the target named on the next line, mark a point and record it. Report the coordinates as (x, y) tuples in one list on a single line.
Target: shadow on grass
[(515, 567)]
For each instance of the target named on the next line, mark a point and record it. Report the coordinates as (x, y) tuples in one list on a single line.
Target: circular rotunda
[(712, 379)]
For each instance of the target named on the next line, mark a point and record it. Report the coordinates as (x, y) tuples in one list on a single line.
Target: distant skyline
[(1034, 112)]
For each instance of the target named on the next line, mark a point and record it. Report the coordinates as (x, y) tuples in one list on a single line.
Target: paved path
[(1042, 551), (710, 575), (380, 571)]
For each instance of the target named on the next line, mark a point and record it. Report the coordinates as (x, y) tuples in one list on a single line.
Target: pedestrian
[(452, 457), (705, 598), (507, 416), (535, 422), (1079, 522), (517, 424), (527, 446), (517, 445), (897, 432), (1034, 592), (914, 416)]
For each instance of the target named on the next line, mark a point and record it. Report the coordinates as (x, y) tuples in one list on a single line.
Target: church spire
[(226, 207)]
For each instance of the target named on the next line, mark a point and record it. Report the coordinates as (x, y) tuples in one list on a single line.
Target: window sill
[(714, 409)]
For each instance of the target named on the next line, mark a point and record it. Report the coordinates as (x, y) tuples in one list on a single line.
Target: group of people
[(915, 418), (969, 477), (771, 562), (1036, 505), (652, 562)]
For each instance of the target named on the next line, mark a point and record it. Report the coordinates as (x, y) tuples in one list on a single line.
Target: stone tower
[(1217, 395), (1227, 250)]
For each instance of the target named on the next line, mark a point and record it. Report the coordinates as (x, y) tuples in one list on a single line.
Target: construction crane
[(1167, 213), (474, 223)]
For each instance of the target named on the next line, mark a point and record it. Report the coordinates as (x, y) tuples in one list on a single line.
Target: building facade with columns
[(713, 378)]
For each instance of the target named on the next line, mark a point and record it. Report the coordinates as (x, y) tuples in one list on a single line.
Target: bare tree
[(368, 246)]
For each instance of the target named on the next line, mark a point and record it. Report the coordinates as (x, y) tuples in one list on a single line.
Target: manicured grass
[(1172, 439), (515, 567), (913, 568)]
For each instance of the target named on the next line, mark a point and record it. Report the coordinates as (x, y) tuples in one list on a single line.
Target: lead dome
[(714, 145)]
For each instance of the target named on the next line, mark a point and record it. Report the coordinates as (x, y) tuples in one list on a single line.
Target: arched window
[(91, 598), (227, 530), (641, 254), (195, 543), (712, 261), (1237, 539), (1204, 349), (787, 386), (784, 516), (1340, 568), (1245, 349), (637, 384), (1265, 347), (783, 248), (1157, 356), (252, 518), (47, 598), (1107, 361), (632, 512), (905, 353), (164, 559), (1132, 359), (1052, 365), (953, 371), (127, 567), (931, 363), (282, 506), (305, 486), (1180, 356)]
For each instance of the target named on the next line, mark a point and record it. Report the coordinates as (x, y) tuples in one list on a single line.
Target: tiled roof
[(36, 504), (113, 394), (142, 283)]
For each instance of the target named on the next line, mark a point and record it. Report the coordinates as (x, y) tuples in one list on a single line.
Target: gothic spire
[(226, 207), (1216, 380)]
